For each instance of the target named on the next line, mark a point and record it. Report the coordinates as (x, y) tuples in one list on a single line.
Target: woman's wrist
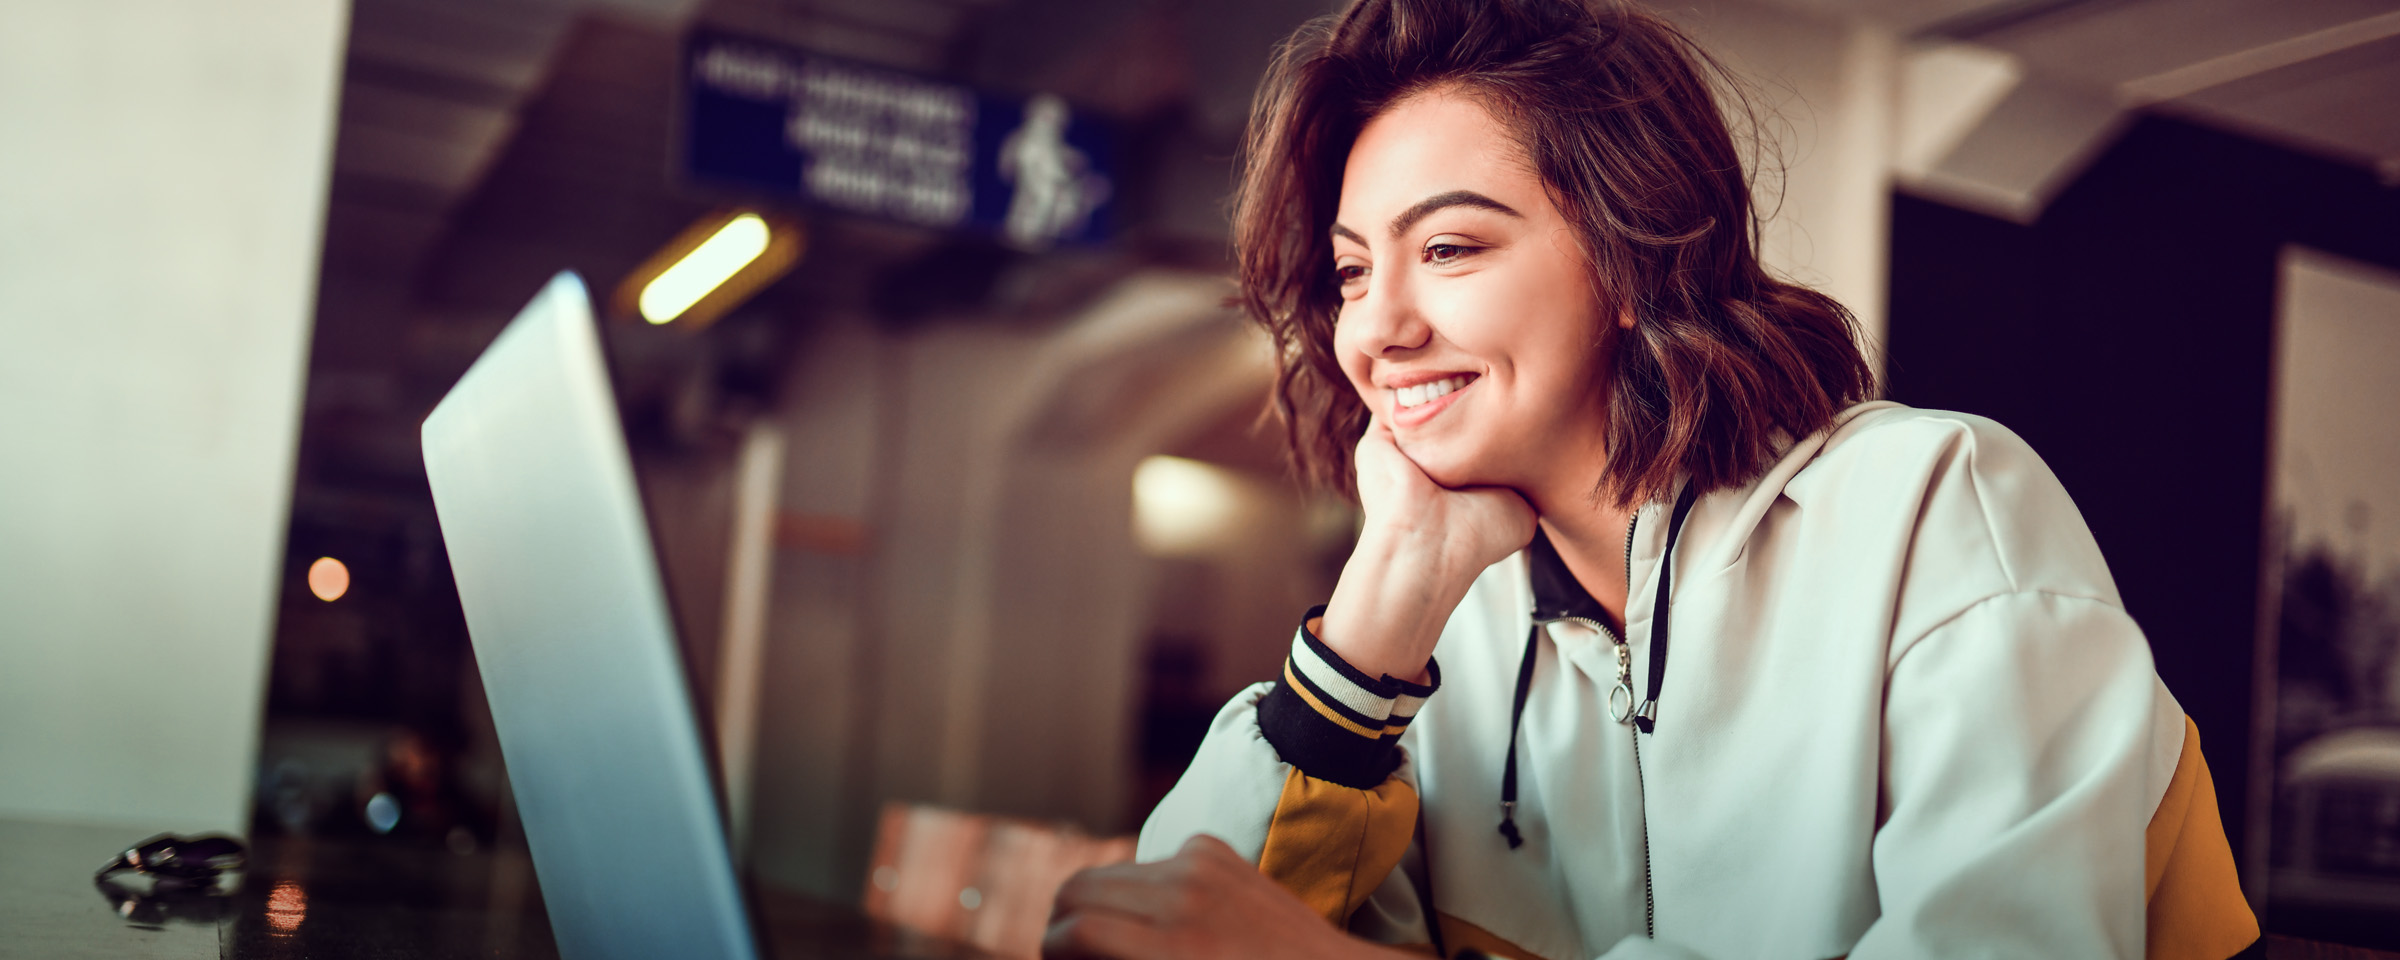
[(1396, 592)]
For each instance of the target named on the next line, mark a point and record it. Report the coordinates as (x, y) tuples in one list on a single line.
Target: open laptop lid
[(536, 495)]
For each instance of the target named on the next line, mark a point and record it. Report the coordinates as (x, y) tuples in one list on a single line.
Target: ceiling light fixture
[(706, 268), (713, 266)]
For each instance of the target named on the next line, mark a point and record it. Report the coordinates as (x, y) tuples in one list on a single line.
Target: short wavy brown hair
[(1614, 109)]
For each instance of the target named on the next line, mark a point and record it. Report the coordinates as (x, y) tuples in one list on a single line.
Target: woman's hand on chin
[(1422, 546), (1472, 526), (1204, 902)]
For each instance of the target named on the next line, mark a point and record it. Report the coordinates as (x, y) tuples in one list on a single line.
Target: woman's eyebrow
[(1425, 208), (1440, 201)]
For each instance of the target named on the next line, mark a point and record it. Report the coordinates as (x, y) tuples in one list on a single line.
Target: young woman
[(1732, 662)]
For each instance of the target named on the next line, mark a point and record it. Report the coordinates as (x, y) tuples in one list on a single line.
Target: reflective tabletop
[(369, 900), (336, 898)]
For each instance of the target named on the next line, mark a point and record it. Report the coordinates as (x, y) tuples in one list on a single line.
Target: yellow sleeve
[(1346, 815), (1333, 845), (2196, 909)]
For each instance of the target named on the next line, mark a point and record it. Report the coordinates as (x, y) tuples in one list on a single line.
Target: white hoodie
[(1903, 714)]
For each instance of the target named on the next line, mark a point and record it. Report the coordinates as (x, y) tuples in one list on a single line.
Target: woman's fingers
[(1506, 514), (1203, 845), (1206, 901), (1160, 892), (1146, 890), (1387, 478), (1377, 426), (1081, 934), (1490, 522)]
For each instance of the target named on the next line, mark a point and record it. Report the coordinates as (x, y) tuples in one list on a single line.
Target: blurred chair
[(975, 878), (2339, 838)]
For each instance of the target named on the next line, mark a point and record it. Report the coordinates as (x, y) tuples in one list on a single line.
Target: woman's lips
[(1416, 404)]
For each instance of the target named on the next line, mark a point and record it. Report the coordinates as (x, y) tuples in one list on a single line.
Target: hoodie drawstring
[(1646, 718)]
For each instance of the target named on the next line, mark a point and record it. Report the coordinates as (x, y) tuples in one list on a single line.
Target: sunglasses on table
[(188, 859)]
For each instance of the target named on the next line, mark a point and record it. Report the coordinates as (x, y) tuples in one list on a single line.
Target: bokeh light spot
[(287, 906), (328, 578), (1184, 507), (382, 813)]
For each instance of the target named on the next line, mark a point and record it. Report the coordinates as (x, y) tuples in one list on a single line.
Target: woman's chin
[(1446, 468)]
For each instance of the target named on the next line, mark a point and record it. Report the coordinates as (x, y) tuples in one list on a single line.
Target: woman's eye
[(1349, 273), (1444, 253)]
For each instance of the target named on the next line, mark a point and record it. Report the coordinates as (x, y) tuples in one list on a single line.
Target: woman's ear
[(1625, 317)]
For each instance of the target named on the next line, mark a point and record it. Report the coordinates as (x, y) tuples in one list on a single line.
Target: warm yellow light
[(328, 578), (711, 263), (1184, 507)]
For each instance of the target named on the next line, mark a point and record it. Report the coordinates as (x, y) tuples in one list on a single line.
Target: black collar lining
[(1556, 592)]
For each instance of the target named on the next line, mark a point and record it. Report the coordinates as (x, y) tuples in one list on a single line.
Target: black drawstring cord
[(1508, 773), (1646, 719)]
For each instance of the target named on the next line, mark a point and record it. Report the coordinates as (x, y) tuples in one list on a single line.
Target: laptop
[(572, 631)]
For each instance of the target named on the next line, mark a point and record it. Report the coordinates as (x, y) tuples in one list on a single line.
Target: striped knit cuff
[(1334, 722)]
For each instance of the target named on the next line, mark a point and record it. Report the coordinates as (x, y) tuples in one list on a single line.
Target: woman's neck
[(1590, 538)]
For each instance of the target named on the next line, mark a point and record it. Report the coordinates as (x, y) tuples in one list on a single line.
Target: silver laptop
[(571, 628)]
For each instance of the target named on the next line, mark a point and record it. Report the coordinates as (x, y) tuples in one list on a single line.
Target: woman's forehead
[(1427, 145)]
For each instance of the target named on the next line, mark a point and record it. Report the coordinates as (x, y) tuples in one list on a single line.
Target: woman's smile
[(1423, 399)]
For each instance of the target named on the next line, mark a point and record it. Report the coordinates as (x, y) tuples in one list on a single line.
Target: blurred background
[(958, 476)]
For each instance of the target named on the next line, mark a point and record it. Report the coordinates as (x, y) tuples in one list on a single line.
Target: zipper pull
[(1620, 697)]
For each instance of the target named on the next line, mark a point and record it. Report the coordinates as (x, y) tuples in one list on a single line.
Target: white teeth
[(1427, 392)]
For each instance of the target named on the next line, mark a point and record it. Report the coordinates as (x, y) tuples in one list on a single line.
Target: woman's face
[(1469, 322)]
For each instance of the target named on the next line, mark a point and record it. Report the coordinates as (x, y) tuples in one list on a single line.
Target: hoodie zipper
[(1649, 904), (1625, 682), (1624, 716), (1624, 688)]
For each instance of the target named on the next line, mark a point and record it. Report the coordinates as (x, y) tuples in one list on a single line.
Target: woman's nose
[(1386, 320)]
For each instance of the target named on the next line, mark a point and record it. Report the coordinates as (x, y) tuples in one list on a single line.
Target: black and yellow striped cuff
[(1334, 722)]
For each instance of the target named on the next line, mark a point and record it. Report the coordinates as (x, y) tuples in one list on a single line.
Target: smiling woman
[(1467, 322), (1605, 145), (1508, 252)]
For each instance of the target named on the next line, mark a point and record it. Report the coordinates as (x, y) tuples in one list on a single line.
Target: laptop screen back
[(544, 524)]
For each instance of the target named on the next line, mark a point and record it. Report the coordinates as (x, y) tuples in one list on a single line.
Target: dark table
[(373, 900), (340, 898)]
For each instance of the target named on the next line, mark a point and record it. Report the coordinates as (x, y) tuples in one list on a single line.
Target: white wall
[(1825, 91), (163, 171)]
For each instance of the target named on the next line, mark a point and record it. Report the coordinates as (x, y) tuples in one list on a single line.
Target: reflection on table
[(364, 899)]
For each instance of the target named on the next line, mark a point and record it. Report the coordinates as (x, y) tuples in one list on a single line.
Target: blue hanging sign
[(765, 117)]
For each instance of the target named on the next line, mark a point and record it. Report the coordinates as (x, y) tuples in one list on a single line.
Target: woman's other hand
[(1204, 902), (1422, 546)]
